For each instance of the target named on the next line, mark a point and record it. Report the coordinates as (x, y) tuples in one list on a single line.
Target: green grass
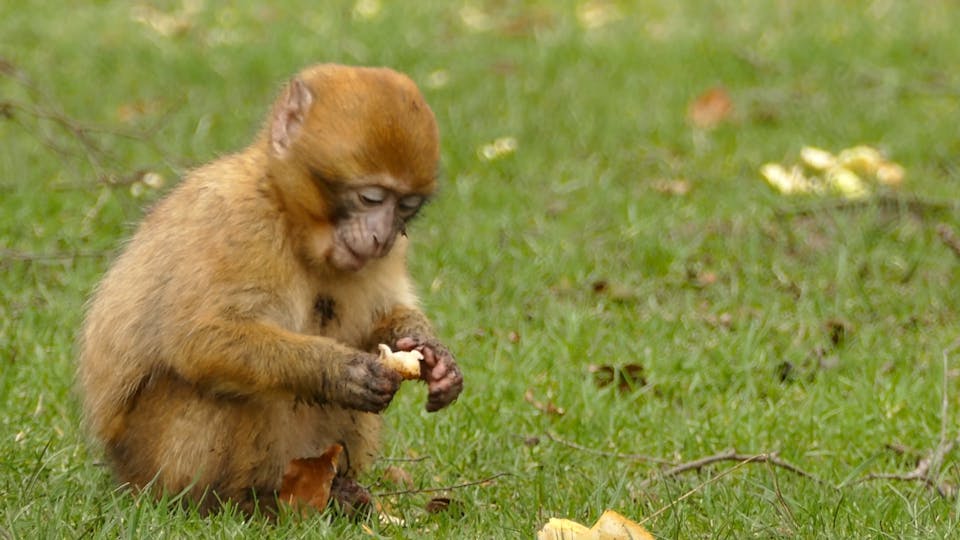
[(510, 255)]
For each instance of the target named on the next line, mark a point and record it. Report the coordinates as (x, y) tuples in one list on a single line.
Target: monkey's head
[(357, 150)]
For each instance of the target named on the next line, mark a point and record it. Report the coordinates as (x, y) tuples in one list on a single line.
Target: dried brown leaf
[(676, 187), (628, 377), (437, 505), (710, 108), (398, 476), (307, 481)]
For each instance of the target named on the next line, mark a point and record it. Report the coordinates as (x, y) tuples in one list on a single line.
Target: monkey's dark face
[(366, 224)]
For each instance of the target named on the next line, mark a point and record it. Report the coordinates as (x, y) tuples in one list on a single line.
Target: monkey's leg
[(212, 448)]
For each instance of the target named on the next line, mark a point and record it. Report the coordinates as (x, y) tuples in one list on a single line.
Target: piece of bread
[(406, 363)]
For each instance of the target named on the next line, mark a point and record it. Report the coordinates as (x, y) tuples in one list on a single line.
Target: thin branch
[(731, 455), (949, 237), (914, 205), (695, 489), (443, 488), (405, 459), (632, 457), (14, 255), (929, 468)]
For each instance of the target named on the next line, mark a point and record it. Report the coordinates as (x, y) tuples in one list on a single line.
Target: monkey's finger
[(439, 371), (429, 356), (445, 391), (406, 344)]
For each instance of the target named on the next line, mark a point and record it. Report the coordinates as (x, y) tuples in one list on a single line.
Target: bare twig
[(732, 455), (40, 109), (949, 237), (632, 457), (14, 255), (928, 469), (913, 205), (405, 459), (696, 488), (443, 488)]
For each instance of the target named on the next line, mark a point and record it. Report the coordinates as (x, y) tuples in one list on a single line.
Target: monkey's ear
[(289, 116)]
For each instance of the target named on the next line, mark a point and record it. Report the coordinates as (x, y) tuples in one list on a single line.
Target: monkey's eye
[(372, 196), (411, 203)]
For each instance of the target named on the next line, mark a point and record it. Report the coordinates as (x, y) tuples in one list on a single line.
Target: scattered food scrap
[(849, 173), (610, 526)]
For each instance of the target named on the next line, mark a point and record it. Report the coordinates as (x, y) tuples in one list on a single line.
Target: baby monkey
[(238, 329)]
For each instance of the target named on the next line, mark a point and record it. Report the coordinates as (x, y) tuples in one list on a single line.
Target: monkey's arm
[(249, 357), (407, 328)]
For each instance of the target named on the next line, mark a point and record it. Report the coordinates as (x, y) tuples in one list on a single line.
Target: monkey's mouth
[(343, 257)]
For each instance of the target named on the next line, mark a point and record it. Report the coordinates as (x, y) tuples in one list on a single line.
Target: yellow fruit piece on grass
[(861, 160), (817, 158), (610, 526)]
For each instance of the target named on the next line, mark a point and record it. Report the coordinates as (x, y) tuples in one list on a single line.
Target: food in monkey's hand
[(405, 363)]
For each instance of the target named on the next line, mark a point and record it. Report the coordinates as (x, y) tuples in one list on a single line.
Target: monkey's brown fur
[(223, 342)]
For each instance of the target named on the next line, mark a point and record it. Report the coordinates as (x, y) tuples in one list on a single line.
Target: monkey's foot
[(351, 498)]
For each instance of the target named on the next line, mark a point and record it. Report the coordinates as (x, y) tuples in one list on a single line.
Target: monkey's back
[(166, 275)]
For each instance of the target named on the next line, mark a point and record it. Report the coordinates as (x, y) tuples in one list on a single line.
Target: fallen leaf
[(710, 108), (307, 481), (838, 330), (610, 526), (398, 475), (786, 372), (444, 504), (628, 377), (615, 291), (676, 188)]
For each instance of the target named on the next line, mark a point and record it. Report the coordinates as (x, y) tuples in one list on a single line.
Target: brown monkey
[(237, 330)]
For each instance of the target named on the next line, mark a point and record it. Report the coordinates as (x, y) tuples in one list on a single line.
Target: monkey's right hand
[(365, 384)]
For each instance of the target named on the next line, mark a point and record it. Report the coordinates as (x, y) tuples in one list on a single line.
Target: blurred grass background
[(612, 233)]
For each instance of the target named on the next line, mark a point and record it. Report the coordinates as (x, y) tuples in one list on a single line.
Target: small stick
[(928, 469), (443, 488), (731, 455), (696, 488), (633, 457), (914, 205), (949, 237), (14, 255)]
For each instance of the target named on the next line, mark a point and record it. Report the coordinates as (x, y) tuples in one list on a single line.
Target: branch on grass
[(949, 237), (928, 469), (443, 488), (26, 256), (914, 205), (770, 458), (632, 457), (40, 109)]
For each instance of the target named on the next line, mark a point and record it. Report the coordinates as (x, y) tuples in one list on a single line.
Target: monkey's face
[(367, 222), (365, 143)]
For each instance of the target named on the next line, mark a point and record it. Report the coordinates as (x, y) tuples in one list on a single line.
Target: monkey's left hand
[(438, 369)]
